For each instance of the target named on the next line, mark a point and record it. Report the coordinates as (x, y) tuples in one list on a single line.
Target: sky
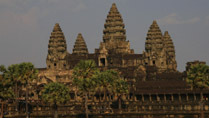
[(25, 26)]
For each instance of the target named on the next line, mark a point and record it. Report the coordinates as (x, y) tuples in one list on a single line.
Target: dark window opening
[(49, 66), (102, 61), (32, 94), (146, 64), (153, 62), (64, 65), (55, 64)]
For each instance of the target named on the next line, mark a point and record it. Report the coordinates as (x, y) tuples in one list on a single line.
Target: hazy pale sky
[(25, 26)]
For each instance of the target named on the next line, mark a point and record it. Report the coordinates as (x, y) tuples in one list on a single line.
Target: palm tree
[(106, 81), (198, 77), (12, 76), (19, 75), (6, 92), (55, 93), (84, 77), (28, 74), (121, 87)]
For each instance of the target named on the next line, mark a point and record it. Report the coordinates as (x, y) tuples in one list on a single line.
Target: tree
[(5, 86), (28, 74), (11, 76), (106, 81), (6, 92), (110, 80), (198, 77), (121, 87), (84, 77), (55, 93), (19, 75)]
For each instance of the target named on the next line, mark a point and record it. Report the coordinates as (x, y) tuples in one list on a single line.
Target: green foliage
[(121, 86), (27, 73), (84, 75), (19, 74), (106, 80), (6, 81), (111, 81), (85, 78), (6, 91), (198, 76), (11, 74), (55, 93)]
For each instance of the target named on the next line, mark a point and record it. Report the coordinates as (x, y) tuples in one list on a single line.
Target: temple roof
[(166, 34), (57, 28), (80, 45), (154, 31), (154, 37), (57, 40), (168, 43), (113, 8), (114, 26)]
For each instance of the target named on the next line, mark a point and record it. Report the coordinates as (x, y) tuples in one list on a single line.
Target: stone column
[(172, 97), (195, 98), (179, 97), (187, 97), (165, 97), (142, 97), (150, 98), (158, 98)]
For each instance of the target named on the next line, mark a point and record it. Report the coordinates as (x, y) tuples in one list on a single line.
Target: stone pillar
[(187, 97), (165, 97), (195, 98), (158, 98), (179, 97), (172, 97), (150, 98), (135, 99), (142, 97), (128, 97)]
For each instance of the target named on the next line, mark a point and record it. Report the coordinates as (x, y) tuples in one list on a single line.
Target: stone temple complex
[(156, 85), (114, 51)]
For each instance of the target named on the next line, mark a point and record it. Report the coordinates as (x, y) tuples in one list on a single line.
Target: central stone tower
[(114, 34)]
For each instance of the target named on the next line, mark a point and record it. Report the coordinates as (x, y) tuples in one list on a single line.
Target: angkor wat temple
[(157, 87), (114, 51)]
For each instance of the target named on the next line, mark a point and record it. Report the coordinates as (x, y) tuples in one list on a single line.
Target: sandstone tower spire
[(170, 51), (114, 26), (80, 47), (114, 33), (154, 38), (154, 47), (57, 49)]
